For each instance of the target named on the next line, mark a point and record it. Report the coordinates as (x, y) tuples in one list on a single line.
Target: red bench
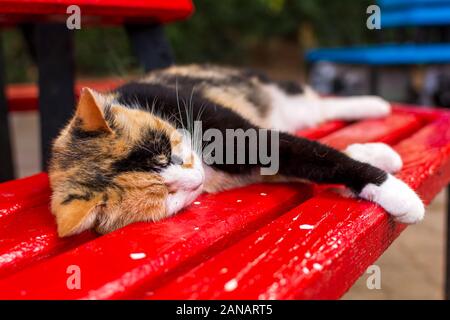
[(259, 242), (98, 12), (24, 97)]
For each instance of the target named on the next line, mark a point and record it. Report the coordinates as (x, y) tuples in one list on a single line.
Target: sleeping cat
[(122, 158)]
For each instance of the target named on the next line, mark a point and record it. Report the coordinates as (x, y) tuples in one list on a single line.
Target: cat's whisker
[(178, 104)]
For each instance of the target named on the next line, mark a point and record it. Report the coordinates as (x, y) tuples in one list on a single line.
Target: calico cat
[(122, 159)]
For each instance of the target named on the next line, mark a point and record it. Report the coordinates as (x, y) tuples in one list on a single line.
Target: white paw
[(397, 198), (377, 154)]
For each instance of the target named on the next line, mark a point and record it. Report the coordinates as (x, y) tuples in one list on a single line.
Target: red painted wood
[(109, 270), (19, 195), (27, 230), (29, 237), (399, 124), (423, 116), (93, 11), (427, 113), (170, 246), (24, 97), (32, 196), (317, 250), (322, 130)]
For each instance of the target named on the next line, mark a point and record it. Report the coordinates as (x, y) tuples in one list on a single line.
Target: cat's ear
[(89, 112), (75, 217)]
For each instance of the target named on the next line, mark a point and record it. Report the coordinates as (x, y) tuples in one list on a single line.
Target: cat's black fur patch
[(143, 157), (169, 103), (97, 181), (109, 117), (290, 87), (71, 197), (319, 163), (78, 133)]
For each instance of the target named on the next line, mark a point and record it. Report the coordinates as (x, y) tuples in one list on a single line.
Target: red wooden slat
[(421, 116), (106, 11), (169, 246), (29, 237), (27, 230), (399, 124), (427, 113), (21, 194), (317, 250), (322, 130)]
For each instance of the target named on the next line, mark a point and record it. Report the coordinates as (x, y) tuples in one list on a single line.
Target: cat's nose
[(176, 160)]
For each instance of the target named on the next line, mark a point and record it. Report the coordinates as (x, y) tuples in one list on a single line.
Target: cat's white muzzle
[(184, 184)]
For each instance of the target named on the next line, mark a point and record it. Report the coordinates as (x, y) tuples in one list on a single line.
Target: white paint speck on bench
[(137, 255), (231, 285)]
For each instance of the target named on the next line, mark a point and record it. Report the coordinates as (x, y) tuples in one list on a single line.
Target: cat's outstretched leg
[(354, 108), (291, 112), (357, 168)]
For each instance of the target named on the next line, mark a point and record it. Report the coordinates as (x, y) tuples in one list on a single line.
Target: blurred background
[(270, 34), (275, 35)]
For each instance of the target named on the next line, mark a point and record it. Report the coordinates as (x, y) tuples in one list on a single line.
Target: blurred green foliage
[(219, 31), (226, 30)]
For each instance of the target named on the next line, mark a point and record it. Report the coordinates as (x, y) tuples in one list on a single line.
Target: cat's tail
[(395, 196)]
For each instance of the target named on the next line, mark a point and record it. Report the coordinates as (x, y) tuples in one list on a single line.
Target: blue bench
[(407, 3), (396, 13), (416, 16), (389, 54), (401, 13)]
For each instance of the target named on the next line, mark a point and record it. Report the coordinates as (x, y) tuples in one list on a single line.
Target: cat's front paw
[(377, 154), (397, 198)]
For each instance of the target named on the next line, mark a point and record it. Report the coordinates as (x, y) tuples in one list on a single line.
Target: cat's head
[(113, 165)]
